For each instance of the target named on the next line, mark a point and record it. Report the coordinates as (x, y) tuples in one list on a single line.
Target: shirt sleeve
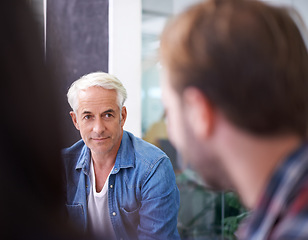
[(160, 203)]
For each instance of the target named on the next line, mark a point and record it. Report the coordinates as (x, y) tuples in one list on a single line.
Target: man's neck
[(103, 160), (102, 168), (107, 158), (103, 164), (252, 160)]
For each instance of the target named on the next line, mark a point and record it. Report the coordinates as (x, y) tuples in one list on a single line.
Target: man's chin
[(99, 149)]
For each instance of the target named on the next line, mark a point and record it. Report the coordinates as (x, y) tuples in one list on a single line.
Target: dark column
[(77, 43)]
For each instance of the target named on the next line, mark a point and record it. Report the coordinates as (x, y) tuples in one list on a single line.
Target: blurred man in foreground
[(235, 91)]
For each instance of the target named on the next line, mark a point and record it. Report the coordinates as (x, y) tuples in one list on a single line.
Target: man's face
[(197, 153), (100, 120)]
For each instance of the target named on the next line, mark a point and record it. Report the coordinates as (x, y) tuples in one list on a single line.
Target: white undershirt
[(98, 211)]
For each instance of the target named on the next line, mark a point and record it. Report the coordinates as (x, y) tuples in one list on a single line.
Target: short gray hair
[(100, 79)]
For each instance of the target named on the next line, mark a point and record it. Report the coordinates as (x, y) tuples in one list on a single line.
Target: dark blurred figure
[(30, 174), (235, 92)]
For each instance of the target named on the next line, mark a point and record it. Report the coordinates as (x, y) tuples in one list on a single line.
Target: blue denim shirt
[(143, 198)]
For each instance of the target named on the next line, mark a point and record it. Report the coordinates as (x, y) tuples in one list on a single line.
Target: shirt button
[(111, 186), (114, 213)]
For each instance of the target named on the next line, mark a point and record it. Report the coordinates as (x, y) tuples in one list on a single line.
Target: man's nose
[(99, 126)]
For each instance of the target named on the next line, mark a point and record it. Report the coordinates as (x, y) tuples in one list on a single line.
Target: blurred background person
[(156, 132)]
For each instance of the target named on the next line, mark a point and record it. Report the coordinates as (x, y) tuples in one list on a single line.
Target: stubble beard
[(202, 159)]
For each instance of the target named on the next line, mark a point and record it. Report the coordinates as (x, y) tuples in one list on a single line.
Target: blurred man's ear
[(74, 119), (199, 112)]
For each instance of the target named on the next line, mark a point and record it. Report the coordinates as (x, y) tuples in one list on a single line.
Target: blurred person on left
[(31, 134)]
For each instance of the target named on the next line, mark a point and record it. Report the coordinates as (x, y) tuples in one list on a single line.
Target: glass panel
[(38, 11), (203, 214)]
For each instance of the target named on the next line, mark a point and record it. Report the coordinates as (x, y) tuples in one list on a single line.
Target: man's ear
[(123, 115), (74, 119), (201, 113)]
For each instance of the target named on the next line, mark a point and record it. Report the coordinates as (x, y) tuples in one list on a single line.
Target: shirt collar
[(126, 154), (275, 196), (83, 161)]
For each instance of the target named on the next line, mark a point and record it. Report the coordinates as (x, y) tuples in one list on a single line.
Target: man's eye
[(108, 115), (87, 117)]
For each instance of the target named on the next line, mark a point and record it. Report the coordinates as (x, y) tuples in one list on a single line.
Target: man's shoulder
[(295, 216), (75, 155), (75, 149), (146, 150)]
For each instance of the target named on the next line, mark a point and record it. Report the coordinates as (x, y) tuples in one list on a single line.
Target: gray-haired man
[(117, 186)]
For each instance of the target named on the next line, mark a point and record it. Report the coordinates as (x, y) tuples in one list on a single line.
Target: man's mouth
[(100, 138)]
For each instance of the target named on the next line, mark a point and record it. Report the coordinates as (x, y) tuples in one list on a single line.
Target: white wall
[(125, 55)]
